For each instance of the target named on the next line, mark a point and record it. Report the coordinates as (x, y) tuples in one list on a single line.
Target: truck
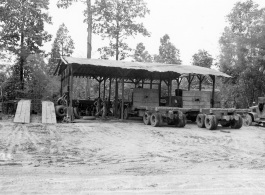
[(187, 105), (256, 113)]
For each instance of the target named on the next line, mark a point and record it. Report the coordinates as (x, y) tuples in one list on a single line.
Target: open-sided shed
[(125, 71)]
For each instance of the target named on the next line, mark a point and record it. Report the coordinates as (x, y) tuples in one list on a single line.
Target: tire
[(155, 119), (249, 120), (60, 111), (210, 122), (146, 118), (126, 114), (237, 124), (76, 113), (170, 122), (89, 118), (181, 121), (225, 123), (200, 120)]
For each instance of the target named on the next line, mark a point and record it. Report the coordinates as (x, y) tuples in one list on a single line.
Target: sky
[(191, 25)]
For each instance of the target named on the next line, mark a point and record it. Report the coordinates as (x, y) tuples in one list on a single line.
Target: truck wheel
[(225, 123), (248, 120), (146, 118), (155, 119), (60, 111), (210, 122), (76, 113), (170, 122), (237, 124), (126, 114), (181, 122), (200, 120)]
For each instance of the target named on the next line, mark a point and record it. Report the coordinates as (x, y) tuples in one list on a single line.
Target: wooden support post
[(143, 83), (109, 89), (201, 78), (179, 81), (170, 91), (189, 82), (99, 83), (71, 93), (87, 87), (61, 91), (159, 90), (190, 79), (200, 84), (116, 98), (151, 83), (122, 98), (168, 88), (68, 84), (104, 88), (213, 79)]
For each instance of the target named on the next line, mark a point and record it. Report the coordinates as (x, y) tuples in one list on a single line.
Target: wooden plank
[(145, 97), (23, 112), (48, 112), (27, 104), (43, 113), (137, 104), (188, 103), (196, 98), (196, 93), (53, 114), (18, 111)]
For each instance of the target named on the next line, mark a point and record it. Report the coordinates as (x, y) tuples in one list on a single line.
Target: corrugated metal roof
[(151, 67)]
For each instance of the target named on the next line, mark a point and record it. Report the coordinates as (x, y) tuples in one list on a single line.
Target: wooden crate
[(196, 99), (145, 97)]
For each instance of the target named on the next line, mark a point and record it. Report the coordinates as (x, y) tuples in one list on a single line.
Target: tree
[(116, 20), (168, 53), (243, 52), (22, 30), (141, 55), (88, 13), (203, 59), (63, 45)]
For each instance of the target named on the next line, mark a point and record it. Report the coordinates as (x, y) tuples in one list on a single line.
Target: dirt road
[(105, 157)]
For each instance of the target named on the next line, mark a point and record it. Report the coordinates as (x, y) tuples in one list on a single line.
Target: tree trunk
[(89, 42), (117, 48), (21, 61), (89, 29)]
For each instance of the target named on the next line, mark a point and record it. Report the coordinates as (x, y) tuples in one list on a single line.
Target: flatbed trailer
[(196, 105), (227, 117)]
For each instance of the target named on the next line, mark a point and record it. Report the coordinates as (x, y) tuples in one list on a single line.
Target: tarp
[(151, 67)]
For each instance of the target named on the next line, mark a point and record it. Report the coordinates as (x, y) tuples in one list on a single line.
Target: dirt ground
[(114, 157)]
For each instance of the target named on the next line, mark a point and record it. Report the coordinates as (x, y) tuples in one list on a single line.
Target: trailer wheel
[(248, 120), (125, 113), (76, 113), (60, 111), (200, 120), (237, 124), (146, 118), (181, 122), (225, 123), (210, 122), (155, 119)]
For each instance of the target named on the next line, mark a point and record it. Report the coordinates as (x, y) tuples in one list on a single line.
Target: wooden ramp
[(48, 112), (23, 112)]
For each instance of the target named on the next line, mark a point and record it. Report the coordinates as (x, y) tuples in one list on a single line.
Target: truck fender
[(254, 115)]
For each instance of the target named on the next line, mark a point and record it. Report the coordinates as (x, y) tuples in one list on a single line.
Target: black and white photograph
[(124, 97)]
